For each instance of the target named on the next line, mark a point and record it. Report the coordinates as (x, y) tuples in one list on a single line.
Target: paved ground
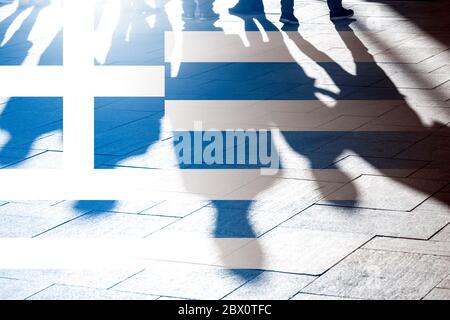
[(359, 210)]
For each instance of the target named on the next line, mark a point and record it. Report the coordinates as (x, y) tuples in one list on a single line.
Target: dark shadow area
[(128, 127), (198, 81), (384, 141), (25, 120), (428, 18), (385, 144)]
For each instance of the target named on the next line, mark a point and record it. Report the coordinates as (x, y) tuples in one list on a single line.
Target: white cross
[(78, 81)]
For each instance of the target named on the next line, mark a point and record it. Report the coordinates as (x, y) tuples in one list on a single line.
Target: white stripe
[(42, 253), (31, 81), (138, 184)]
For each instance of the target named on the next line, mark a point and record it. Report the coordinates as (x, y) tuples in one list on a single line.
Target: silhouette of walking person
[(337, 11), (204, 8), (364, 70)]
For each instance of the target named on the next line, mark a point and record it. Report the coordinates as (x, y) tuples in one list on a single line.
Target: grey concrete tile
[(445, 69), (13, 289), (373, 222), (64, 292), (110, 225), (405, 115), (376, 192), (30, 219), (443, 235), (230, 221), (307, 296), (438, 294), (435, 170), (12, 156), (414, 80), (96, 278), (355, 166), (46, 160), (176, 208), (185, 281), (412, 55), (282, 195), (296, 250), (37, 203), (438, 248), (438, 204), (271, 286), (445, 283), (374, 274), (345, 123), (366, 147)]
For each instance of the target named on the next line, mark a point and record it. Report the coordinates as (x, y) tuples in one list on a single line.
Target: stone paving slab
[(307, 296), (445, 283), (186, 281), (28, 220), (353, 215), (109, 225), (14, 289), (433, 205), (378, 192), (438, 248), (373, 222), (112, 206), (297, 250), (438, 294), (47, 160), (176, 207), (375, 274), (271, 285), (63, 292), (354, 166), (443, 235), (103, 279)]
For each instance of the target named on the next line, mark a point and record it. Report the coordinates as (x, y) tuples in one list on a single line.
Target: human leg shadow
[(216, 94), (14, 50), (394, 140), (28, 121), (127, 128)]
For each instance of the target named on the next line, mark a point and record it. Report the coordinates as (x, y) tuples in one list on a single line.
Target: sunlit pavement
[(352, 204)]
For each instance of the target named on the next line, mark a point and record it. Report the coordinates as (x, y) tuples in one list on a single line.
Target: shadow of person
[(26, 120), (316, 135), (393, 138), (430, 19), (214, 104), (127, 128), (14, 50)]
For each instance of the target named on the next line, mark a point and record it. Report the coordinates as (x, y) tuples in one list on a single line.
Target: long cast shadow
[(127, 127), (26, 120), (411, 130)]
